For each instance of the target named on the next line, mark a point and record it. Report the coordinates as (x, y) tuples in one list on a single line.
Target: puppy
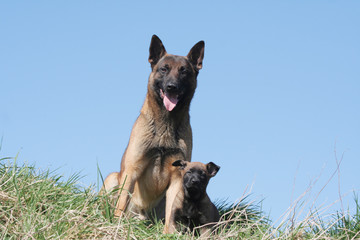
[(192, 206)]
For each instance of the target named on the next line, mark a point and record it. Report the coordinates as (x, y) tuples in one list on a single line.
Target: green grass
[(37, 204)]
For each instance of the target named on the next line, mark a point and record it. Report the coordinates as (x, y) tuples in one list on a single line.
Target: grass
[(37, 204)]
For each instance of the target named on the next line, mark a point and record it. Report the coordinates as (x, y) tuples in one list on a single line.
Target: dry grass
[(42, 205)]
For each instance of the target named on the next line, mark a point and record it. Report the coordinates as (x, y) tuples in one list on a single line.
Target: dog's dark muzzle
[(172, 88), (170, 95)]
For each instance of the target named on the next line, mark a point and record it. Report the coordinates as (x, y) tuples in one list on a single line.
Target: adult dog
[(161, 134)]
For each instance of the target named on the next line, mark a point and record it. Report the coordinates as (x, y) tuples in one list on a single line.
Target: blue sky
[(278, 94)]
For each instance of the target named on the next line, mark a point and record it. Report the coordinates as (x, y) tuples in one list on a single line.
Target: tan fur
[(158, 138), (110, 186)]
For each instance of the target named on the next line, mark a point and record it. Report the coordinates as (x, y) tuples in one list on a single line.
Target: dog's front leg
[(132, 167), (175, 186), (126, 187)]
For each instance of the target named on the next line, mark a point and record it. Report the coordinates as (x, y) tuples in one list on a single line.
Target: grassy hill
[(37, 204)]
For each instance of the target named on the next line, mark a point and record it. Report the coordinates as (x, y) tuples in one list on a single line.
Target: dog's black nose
[(171, 87)]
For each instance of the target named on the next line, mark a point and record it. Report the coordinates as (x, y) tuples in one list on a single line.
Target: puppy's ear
[(196, 55), (156, 50), (212, 169), (179, 163)]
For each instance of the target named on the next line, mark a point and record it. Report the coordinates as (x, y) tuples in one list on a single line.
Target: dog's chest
[(165, 136), (165, 140), (163, 146)]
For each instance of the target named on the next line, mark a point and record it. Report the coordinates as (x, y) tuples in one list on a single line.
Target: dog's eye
[(163, 69), (183, 70)]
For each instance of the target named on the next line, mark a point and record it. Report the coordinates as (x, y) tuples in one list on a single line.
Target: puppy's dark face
[(196, 177), (173, 78), (195, 182)]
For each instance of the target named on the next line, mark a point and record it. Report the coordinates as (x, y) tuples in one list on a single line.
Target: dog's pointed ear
[(212, 169), (156, 50), (196, 55), (179, 163)]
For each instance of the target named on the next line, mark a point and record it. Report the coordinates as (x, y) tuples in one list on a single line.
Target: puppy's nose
[(194, 181), (171, 87)]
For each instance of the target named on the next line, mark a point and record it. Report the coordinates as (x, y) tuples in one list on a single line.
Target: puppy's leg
[(205, 232)]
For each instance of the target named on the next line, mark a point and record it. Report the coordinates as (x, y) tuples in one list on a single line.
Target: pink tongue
[(170, 101)]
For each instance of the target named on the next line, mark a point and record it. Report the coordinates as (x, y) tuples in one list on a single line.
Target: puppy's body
[(161, 134), (192, 206), (193, 214)]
